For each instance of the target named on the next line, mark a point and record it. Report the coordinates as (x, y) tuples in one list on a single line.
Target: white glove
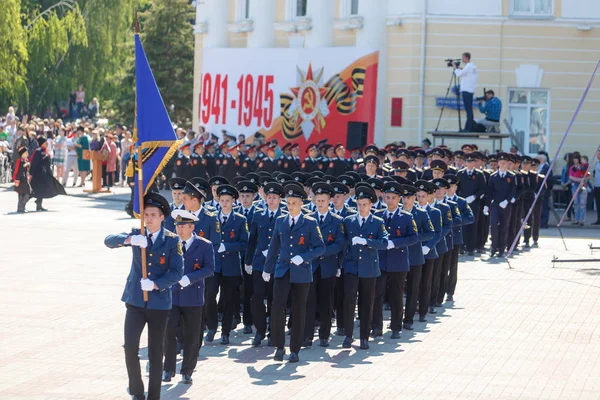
[(264, 253), (426, 250), (297, 260), (512, 201), (359, 240), (185, 281), (266, 277), (139, 241), (390, 245), (248, 269), (471, 199), (338, 273), (486, 210), (221, 248), (503, 204), (147, 285)]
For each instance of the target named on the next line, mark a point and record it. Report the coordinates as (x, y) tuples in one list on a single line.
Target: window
[(531, 7), (529, 118), (296, 9), (242, 10), (348, 8)]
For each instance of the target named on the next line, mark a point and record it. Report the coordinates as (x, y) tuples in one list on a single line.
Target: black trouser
[(435, 279), (425, 290), (499, 221), (191, 322), (230, 299), (135, 320), (468, 103), (597, 199), (482, 229), (527, 202), (248, 288), (104, 176), (282, 287), (444, 270), (413, 286), (38, 203), (396, 298), (470, 231), (321, 289), (23, 199), (537, 220), (453, 272), (353, 287), (261, 289), (339, 301)]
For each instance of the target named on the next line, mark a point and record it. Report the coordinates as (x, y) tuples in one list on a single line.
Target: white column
[(322, 14), (218, 18), (374, 35), (262, 13)]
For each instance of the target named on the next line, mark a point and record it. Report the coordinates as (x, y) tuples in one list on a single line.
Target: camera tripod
[(453, 82)]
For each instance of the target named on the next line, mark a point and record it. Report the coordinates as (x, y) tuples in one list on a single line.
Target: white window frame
[(242, 10), (291, 7), (346, 8), (528, 106), (514, 13)]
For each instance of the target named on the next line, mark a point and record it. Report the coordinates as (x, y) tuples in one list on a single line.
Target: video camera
[(482, 98), (450, 62)]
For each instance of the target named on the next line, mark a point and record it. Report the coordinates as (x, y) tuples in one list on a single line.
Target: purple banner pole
[(562, 142)]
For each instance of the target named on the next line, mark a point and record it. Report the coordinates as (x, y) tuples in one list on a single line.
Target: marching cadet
[(182, 165), (531, 186), (445, 244), (425, 198), (394, 260), (176, 184), (371, 168), (165, 268), (338, 165), (472, 187), (268, 164), (21, 179), (325, 268), (228, 271), (198, 164), (448, 282), (209, 156), (248, 162), (537, 211), (483, 226), (261, 232), (296, 242), (214, 183), (230, 162), (207, 225), (338, 202), (365, 236), (419, 162), (311, 163), (501, 192), (283, 162), (404, 166), (377, 185), (416, 259), (188, 297), (517, 207)]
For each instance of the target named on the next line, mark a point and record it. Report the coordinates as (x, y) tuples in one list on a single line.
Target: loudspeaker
[(357, 135)]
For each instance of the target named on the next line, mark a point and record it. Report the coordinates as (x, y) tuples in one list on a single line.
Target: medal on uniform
[(201, 233), (232, 235), (163, 260), (330, 237), (196, 266), (301, 241), (397, 232)]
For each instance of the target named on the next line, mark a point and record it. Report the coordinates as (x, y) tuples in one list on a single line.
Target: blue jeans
[(579, 203), (468, 103)]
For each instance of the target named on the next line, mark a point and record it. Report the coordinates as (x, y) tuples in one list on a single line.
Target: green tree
[(13, 54)]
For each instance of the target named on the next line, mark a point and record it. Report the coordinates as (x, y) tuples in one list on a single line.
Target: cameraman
[(492, 110), (468, 82)]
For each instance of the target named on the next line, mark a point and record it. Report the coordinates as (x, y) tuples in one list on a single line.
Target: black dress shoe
[(305, 343), (449, 298), (395, 335), (376, 333), (247, 329), (279, 353), (324, 343), (422, 319), (257, 339), (501, 254), (492, 253), (167, 375), (294, 358), (224, 339), (535, 244), (527, 246), (187, 379), (364, 344), (347, 343), (340, 332), (432, 310), (471, 253), (408, 326), (41, 209), (437, 305), (210, 335)]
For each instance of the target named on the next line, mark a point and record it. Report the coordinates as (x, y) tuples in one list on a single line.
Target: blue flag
[(154, 133)]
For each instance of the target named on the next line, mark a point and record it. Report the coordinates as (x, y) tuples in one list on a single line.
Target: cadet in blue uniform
[(472, 187), (214, 183), (426, 233), (188, 297), (394, 260), (165, 268), (176, 184), (501, 192), (228, 270), (365, 236), (296, 242), (325, 268), (261, 233), (207, 225)]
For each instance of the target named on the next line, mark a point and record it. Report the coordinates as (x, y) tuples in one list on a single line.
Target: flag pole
[(140, 175)]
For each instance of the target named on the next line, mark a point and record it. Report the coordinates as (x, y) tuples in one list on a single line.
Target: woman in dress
[(111, 163), (60, 152), (83, 143)]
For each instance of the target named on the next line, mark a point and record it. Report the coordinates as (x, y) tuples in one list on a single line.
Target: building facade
[(537, 56)]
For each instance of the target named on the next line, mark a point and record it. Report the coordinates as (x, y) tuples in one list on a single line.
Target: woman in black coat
[(21, 179), (43, 183)]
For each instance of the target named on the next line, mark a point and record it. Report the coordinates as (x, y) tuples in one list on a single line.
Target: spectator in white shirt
[(468, 82)]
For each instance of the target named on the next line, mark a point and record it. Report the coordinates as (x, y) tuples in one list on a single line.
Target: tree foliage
[(13, 53)]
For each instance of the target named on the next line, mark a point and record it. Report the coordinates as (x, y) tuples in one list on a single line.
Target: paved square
[(528, 333)]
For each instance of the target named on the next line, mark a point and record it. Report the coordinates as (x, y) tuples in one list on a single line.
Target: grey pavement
[(531, 332)]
